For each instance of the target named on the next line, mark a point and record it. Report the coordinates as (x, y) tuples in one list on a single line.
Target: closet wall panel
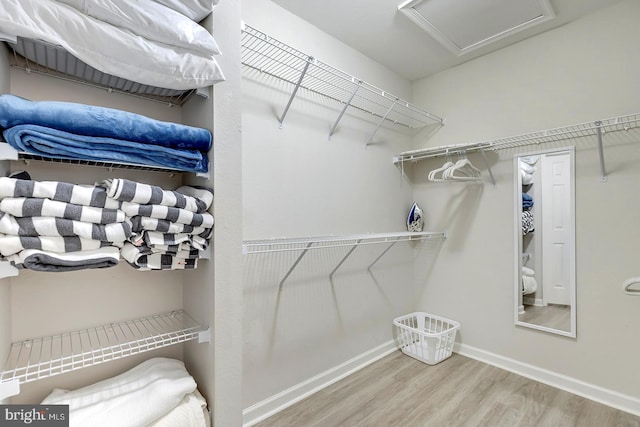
[(579, 72), (297, 183)]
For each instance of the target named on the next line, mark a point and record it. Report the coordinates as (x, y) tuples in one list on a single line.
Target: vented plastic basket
[(426, 337)]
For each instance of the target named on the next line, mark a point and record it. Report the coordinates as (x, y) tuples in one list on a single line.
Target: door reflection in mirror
[(545, 290)]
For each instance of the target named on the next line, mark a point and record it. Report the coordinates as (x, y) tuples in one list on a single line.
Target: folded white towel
[(134, 398), (527, 178)]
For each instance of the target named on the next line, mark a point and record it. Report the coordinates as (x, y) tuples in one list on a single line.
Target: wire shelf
[(44, 58), (320, 242), (39, 358), (267, 55), (582, 130)]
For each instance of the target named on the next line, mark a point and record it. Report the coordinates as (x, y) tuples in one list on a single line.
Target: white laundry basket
[(426, 337)]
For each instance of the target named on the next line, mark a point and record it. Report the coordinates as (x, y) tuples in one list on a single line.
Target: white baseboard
[(599, 394), (288, 397)]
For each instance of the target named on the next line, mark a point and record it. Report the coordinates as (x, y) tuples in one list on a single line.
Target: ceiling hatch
[(466, 25)]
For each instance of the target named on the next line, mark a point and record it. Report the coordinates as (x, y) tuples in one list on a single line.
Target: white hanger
[(442, 169), (463, 170)]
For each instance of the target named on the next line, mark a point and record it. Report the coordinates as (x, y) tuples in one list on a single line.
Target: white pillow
[(196, 10), (150, 20), (107, 48)]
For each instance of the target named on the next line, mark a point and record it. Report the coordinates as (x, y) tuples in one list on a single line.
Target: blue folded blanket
[(103, 122), (54, 143)]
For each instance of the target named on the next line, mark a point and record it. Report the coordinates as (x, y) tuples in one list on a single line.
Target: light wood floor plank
[(401, 391)]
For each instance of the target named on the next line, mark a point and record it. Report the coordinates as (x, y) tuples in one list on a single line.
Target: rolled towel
[(10, 245), (529, 285), (528, 271)]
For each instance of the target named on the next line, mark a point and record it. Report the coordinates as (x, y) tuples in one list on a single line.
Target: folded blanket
[(37, 260), (141, 223), (50, 226), (101, 122), (134, 398), (10, 245), (190, 412), (55, 190), (196, 10), (57, 144), (143, 258), (190, 198), (153, 238), (25, 207), (178, 215), (527, 201)]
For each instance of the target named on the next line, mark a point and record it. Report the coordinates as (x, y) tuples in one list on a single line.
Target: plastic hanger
[(442, 169), (463, 170)]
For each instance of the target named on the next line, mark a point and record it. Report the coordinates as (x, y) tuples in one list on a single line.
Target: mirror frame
[(518, 242)]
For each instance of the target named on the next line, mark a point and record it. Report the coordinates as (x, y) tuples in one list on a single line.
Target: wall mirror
[(545, 285)]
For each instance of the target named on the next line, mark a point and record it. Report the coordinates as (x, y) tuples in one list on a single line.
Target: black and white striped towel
[(169, 213), (154, 238), (141, 223), (27, 206), (10, 245), (50, 226), (141, 258), (193, 199), (37, 260), (55, 190)]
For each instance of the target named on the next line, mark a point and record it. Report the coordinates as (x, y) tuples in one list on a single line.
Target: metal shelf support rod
[(344, 109), (381, 122), (295, 264), (355, 245), (603, 172), (486, 163), (382, 254), (295, 90)]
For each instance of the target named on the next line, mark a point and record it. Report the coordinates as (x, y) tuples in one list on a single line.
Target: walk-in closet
[(321, 158), (415, 213)]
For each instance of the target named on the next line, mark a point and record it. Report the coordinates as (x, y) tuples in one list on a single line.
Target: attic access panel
[(466, 25)]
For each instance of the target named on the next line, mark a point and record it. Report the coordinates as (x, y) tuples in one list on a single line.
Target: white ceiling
[(377, 29)]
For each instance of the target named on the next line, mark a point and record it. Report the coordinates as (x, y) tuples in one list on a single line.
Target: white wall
[(298, 183), (583, 71)]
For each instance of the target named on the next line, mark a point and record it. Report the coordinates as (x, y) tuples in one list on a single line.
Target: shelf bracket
[(381, 122), (204, 336), (353, 248), (295, 264), (295, 90), (382, 254), (9, 388), (603, 172), (486, 162), (344, 109)]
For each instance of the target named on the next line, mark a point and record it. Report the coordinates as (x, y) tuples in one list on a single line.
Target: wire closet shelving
[(305, 244), (596, 129), (44, 357), (277, 59)]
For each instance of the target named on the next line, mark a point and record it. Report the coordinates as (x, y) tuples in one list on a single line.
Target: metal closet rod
[(269, 55)]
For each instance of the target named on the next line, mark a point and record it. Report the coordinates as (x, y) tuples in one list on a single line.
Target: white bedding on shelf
[(196, 10), (150, 20), (108, 48), (138, 397)]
